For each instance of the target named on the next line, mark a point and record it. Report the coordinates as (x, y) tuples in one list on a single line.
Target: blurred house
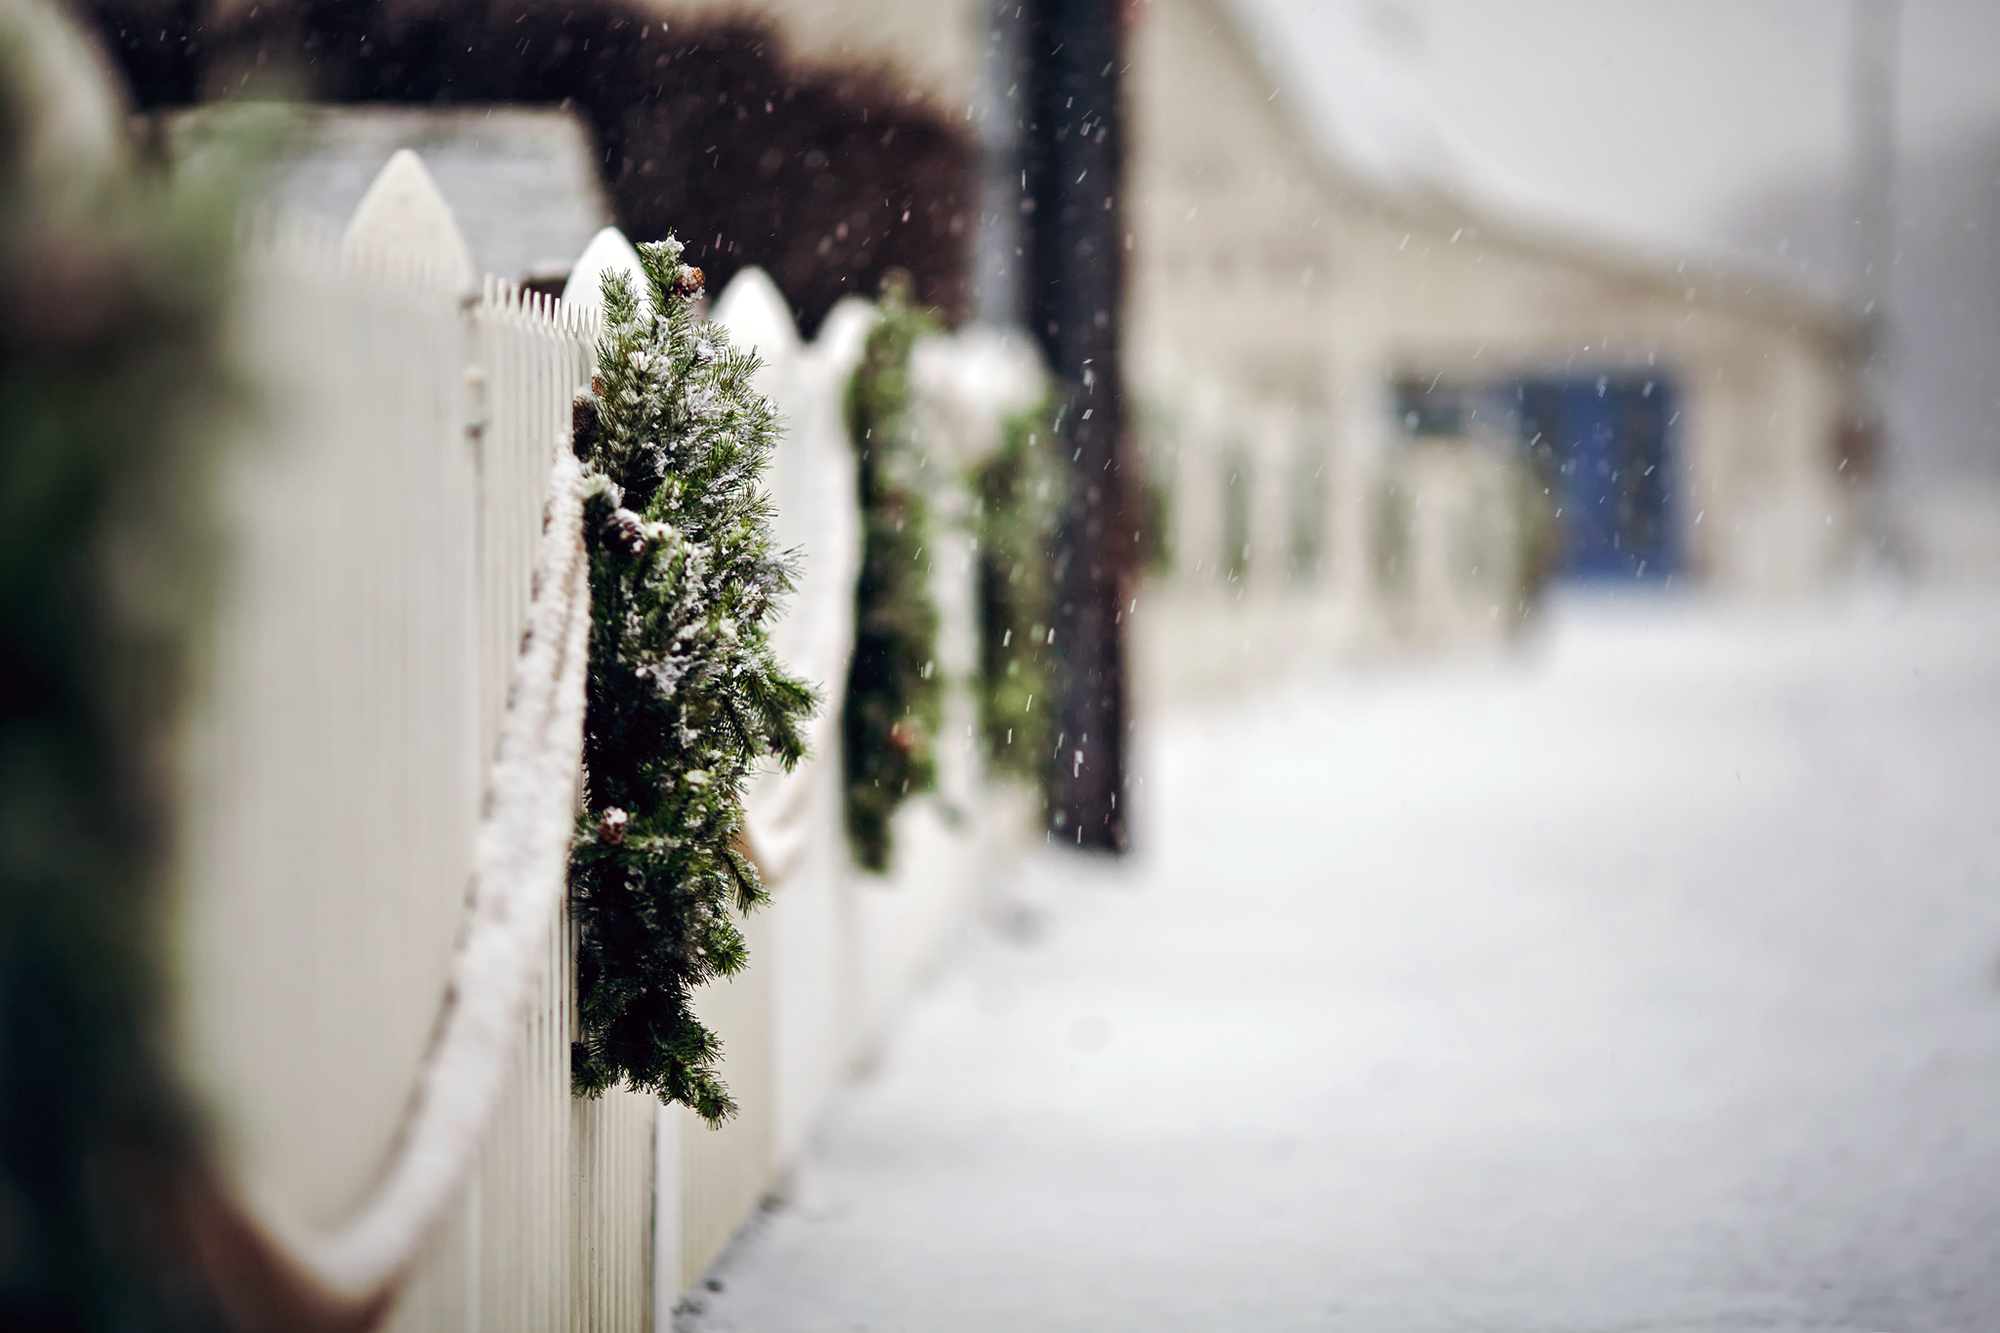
[(1356, 355), (1353, 332)]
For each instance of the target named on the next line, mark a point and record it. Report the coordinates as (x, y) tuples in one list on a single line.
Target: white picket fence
[(388, 522), (1300, 540)]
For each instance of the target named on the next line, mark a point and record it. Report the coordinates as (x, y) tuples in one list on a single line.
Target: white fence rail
[(387, 524)]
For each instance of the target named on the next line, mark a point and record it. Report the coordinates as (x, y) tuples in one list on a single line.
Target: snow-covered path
[(1650, 980)]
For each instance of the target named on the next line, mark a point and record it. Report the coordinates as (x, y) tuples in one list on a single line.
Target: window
[(1309, 504), (1235, 561)]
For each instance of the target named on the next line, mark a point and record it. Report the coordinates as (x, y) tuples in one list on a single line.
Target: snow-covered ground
[(1647, 980)]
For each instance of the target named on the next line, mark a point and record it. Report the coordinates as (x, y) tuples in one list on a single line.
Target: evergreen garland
[(685, 695), (1020, 491), (893, 705)]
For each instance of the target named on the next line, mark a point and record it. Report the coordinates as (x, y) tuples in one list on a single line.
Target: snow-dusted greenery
[(894, 701), (685, 695), (1020, 491)]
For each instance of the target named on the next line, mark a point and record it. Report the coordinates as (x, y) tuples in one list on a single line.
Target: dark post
[(1075, 162), (1871, 178)]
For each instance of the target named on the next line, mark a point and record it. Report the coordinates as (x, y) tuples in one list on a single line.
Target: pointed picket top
[(754, 312), (608, 252), (843, 334), (404, 216)]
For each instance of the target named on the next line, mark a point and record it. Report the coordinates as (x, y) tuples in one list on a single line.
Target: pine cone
[(690, 282), (611, 825), (625, 531)]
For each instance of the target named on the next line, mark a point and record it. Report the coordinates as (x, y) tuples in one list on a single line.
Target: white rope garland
[(520, 872)]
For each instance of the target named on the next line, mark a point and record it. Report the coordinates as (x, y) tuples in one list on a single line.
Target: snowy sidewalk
[(1649, 980)]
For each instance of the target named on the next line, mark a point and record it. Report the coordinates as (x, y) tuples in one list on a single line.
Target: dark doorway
[(1604, 446)]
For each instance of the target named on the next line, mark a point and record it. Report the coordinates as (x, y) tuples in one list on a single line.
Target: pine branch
[(1020, 489), (893, 706), (685, 694)]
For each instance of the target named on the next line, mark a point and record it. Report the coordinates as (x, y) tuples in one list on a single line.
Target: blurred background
[(1406, 595), (1739, 137)]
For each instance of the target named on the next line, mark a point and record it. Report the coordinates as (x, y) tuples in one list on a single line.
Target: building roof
[(1366, 116), (521, 181)]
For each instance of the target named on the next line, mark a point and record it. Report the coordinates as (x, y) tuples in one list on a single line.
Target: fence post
[(405, 214), (608, 252)]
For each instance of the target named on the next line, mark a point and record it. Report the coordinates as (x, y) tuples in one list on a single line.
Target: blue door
[(1602, 445)]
